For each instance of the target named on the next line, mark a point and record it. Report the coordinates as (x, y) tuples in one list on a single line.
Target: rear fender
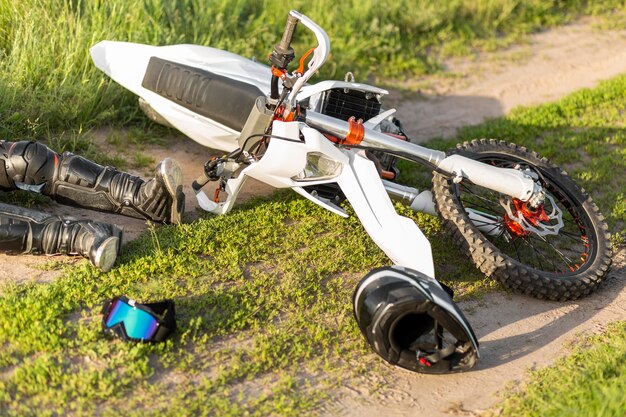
[(126, 62)]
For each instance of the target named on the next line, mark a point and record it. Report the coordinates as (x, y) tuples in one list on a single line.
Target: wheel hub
[(533, 216), (522, 219)]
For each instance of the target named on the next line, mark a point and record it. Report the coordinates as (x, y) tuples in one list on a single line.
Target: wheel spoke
[(476, 204), (480, 202), (571, 222), (466, 188), (495, 227), (496, 222), (537, 263), (540, 255), (487, 209), (566, 259), (515, 244), (573, 236)]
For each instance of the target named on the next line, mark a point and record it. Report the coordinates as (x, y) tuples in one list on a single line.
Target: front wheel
[(561, 261)]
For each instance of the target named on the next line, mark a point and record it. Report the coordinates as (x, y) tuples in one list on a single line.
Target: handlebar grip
[(290, 27), (282, 54)]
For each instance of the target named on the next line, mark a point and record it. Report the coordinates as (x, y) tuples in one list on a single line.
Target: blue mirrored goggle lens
[(137, 323)]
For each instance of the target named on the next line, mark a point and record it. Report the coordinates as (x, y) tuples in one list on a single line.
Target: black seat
[(220, 98)]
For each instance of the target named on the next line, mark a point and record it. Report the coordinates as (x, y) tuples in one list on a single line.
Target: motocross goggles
[(129, 320)]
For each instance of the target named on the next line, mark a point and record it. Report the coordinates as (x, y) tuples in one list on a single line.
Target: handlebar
[(283, 54), (320, 54)]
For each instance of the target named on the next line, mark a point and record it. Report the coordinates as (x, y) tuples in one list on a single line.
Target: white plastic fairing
[(233, 186), (126, 63), (314, 91), (399, 237), (206, 203), (284, 159), (205, 131), (423, 203), (376, 120)]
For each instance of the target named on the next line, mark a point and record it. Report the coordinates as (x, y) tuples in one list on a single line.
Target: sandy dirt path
[(516, 333), (551, 65)]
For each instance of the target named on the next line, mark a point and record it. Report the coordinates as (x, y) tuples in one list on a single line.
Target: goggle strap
[(167, 312)]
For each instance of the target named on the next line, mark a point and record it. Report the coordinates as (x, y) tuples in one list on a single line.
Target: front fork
[(508, 181)]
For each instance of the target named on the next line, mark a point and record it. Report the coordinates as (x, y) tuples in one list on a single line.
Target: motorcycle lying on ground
[(521, 219)]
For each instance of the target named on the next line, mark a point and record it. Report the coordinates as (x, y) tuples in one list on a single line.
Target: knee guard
[(82, 182), (27, 166), (74, 180)]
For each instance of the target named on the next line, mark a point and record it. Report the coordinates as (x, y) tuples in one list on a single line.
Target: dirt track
[(515, 332)]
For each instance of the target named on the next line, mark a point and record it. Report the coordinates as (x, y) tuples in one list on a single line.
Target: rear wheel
[(559, 250)]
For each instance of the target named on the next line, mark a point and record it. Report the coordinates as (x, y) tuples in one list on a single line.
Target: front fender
[(399, 237)]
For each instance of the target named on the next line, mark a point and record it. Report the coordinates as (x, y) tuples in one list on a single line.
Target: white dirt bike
[(521, 219)]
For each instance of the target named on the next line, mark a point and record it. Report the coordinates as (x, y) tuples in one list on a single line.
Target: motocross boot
[(30, 231), (74, 180)]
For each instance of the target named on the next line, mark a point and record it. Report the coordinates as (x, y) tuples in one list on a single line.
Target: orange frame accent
[(356, 133), (279, 73)]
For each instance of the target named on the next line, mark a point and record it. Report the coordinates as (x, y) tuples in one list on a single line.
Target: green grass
[(47, 80), (263, 296), (588, 383), (263, 301)]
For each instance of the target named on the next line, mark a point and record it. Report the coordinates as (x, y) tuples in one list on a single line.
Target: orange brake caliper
[(532, 216)]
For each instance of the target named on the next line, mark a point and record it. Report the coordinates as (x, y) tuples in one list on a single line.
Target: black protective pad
[(211, 95), (26, 165)]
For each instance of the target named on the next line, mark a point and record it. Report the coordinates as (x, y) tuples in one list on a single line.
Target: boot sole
[(172, 175), (106, 254)]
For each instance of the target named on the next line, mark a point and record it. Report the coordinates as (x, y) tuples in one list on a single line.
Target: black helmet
[(411, 321)]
